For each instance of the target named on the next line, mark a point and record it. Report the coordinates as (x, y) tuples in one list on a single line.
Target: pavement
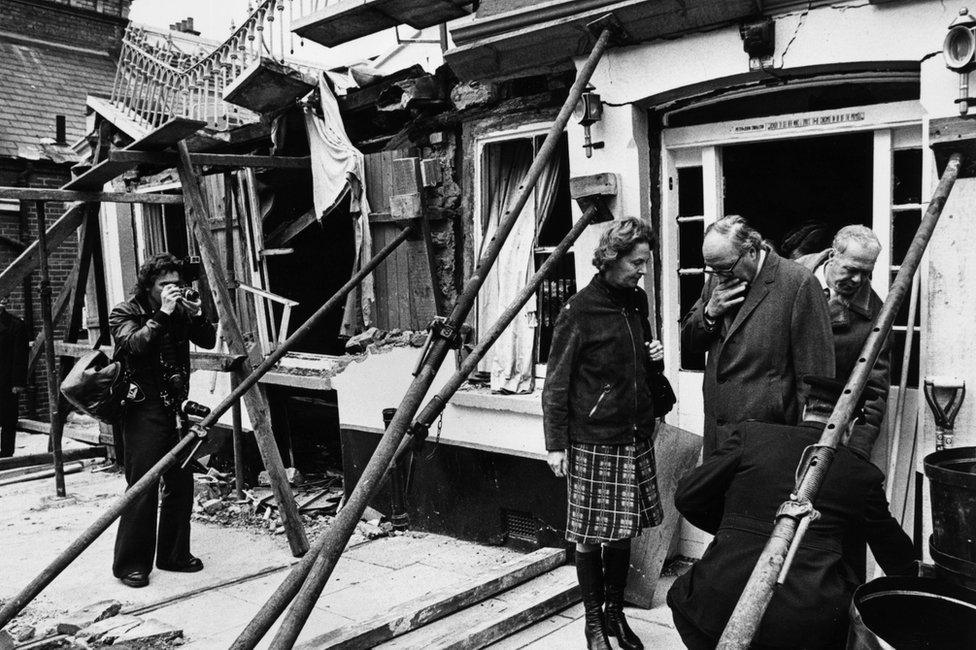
[(243, 567)]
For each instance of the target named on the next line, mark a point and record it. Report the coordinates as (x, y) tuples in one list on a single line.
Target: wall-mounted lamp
[(959, 52), (589, 110)]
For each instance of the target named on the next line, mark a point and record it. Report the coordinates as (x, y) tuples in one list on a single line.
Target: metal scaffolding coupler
[(804, 513), (200, 433), (440, 328)]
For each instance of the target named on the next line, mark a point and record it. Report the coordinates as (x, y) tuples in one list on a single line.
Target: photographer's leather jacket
[(596, 388), (155, 344)]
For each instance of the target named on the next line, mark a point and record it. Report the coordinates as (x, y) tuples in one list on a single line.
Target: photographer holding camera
[(152, 333)]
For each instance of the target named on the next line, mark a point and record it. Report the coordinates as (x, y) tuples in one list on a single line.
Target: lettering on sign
[(801, 122)]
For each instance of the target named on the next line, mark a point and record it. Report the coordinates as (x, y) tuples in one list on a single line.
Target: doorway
[(799, 192)]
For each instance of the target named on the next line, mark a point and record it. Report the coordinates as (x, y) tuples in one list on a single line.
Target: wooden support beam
[(254, 400), (45, 194), (169, 159), (199, 359), (30, 460), (27, 261), (53, 394), (285, 233), (60, 307)]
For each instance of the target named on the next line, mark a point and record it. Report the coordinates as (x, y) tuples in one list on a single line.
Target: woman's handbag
[(97, 386), (661, 392)]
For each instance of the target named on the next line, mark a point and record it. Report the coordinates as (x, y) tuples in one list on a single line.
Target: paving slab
[(383, 592), (652, 635)]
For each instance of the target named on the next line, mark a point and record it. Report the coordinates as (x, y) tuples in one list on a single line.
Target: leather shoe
[(189, 565), (135, 579)]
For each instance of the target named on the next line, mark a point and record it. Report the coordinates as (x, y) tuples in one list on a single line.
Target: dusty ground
[(245, 561)]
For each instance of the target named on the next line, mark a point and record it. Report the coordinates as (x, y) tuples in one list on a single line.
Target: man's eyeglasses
[(724, 273)]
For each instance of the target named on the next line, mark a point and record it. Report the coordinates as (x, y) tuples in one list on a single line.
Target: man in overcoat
[(844, 272), (735, 495), (764, 323), (13, 374)]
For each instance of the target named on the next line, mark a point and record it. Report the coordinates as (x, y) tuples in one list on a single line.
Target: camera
[(190, 294), (194, 409)]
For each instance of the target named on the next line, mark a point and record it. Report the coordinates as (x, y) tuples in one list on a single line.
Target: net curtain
[(511, 361)]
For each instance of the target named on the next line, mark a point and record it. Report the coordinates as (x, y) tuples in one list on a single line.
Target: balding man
[(844, 272), (764, 324)]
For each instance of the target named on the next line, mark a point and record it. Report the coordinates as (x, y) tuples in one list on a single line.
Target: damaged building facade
[(791, 114)]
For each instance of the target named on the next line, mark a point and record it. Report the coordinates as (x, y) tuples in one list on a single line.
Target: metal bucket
[(952, 477), (911, 614)]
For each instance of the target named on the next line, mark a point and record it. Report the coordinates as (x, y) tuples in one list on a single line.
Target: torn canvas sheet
[(338, 167)]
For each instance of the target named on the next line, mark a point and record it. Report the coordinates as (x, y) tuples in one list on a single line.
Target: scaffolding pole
[(771, 568), (329, 547)]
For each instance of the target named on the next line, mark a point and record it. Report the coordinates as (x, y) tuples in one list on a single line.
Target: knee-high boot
[(616, 562), (589, 571)]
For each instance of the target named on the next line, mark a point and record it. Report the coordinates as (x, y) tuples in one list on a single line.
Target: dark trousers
[(8, 422), (149, 430)]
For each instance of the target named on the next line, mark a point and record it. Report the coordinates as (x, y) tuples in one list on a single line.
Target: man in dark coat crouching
[(735, 494)]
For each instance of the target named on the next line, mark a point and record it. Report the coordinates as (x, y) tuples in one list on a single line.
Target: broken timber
[(169, 159), (255, 401), (43, 194)]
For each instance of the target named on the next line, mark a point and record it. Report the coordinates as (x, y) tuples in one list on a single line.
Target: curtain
[(338, 167), (511, 360)]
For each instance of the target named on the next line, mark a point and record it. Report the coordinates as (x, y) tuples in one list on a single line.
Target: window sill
[(483, 398)]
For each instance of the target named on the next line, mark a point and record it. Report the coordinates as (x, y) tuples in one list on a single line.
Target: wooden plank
[(166, 135), (27, 261), (267, 86), (44, 194), (170, 159), (351, 19), (676, 452), (254, 400), (382, 284), (45, 459), (285, 233), (493, 619), (438, 604)]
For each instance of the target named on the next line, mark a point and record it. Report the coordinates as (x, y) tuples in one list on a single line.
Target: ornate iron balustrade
[(156, 81)]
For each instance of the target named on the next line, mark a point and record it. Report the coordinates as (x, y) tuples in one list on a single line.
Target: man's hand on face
[(170, 298), (730, 293)]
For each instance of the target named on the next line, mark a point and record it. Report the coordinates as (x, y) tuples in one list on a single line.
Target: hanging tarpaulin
[(338, 168)]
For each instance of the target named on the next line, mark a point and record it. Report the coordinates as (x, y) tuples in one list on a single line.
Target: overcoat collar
[(761, 286)]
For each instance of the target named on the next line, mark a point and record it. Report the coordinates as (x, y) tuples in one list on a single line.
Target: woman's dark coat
[(596, 388)]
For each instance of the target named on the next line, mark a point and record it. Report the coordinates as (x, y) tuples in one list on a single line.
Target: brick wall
[(23, 227), (72, 23)]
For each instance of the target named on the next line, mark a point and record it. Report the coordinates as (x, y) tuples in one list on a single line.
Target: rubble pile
[(95, 625), (376, 340)]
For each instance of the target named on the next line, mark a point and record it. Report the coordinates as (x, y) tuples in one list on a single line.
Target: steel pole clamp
[(803, 512), (200, 433)]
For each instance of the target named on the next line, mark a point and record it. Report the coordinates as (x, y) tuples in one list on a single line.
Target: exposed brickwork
[(22, 227), (71, 23)]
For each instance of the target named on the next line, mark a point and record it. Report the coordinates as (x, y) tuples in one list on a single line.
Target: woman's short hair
[(620, 239), (158, 265)]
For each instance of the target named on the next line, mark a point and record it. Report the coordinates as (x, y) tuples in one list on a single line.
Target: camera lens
[(191, 294)]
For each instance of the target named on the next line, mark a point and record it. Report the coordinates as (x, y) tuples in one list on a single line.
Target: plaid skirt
[(612, 492)]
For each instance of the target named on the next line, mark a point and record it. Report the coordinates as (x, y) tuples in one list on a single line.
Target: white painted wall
[(479, 420), (845, 32)]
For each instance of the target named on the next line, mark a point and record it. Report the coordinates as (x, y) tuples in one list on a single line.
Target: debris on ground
[(318, 498), (98, 624), (85, 616)]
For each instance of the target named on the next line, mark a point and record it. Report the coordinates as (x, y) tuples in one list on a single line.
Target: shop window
[(906, 215), (691, 266)]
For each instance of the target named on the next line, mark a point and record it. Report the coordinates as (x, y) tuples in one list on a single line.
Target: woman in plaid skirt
[(599, 424)]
